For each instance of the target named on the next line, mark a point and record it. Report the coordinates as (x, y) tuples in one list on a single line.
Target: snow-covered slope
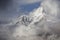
[(33, 17), (31, 25), (31, 22)]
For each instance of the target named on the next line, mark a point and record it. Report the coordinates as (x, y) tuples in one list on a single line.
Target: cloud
[(23, 2), (51, 9), (42, 23), (7, 26), (11, 8), (45, 27)]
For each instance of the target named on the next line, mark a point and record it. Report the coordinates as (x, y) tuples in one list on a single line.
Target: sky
[(25, 18), (30, 7), (10, 9)]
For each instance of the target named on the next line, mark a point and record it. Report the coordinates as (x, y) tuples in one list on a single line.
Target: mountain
[(36, 25)]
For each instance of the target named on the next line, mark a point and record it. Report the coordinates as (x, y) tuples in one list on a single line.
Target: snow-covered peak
[(31, 24), (33, 17), (36, 13)]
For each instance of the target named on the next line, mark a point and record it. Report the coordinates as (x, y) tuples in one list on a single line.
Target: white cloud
[(47, 25), (51, 9), (23, 2)]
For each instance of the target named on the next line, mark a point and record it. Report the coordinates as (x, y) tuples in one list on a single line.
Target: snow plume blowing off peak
[(41, 24)]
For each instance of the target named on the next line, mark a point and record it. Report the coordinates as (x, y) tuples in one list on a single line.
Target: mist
[(43, 23)]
